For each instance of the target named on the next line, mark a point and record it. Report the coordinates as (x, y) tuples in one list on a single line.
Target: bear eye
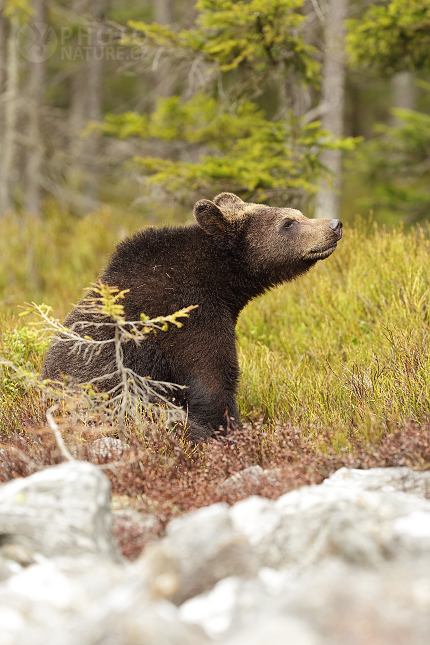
[(288, 223)]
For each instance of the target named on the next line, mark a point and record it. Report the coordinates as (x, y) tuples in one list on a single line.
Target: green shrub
[(25, 347)]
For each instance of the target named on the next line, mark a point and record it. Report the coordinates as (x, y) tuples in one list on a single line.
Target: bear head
[(280, 242)]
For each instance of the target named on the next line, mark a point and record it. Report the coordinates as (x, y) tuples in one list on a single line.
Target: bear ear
[(210, 218), (228, 200)]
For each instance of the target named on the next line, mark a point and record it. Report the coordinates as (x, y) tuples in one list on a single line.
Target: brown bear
[(235, 252)]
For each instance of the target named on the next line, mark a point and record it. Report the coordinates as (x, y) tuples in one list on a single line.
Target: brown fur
[(234, 253)]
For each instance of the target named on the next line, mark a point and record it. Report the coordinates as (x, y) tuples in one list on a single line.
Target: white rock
[(203, 519), (344, 562), (414, 525), (123, 617), (249, 480), (105, 448), (11, 623), (255, 517), (62, 510), (201, 548), (45, 583), (214, 610), (279, 630), (234, 601), (315, 522), (385, 480), (333, 603)]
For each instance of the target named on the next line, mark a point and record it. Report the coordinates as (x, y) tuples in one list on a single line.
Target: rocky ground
[(346, 562)]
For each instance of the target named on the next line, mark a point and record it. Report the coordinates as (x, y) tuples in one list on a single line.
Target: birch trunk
[(35, 151), (2, 67), (85, 105), (10, 119), (165, 77), (333, 88), (77, 114), (95, 87), (163, 12), (403, 92)]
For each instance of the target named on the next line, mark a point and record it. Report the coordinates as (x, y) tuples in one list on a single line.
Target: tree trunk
[(163, 12), (10, 119), (85, 105), (35, 151), (77, 115), (333, 88), (2, 66), (165, 79), (403, 92), (95, 93)]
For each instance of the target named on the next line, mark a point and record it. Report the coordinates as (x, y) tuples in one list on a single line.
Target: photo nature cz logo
[(37, 42)]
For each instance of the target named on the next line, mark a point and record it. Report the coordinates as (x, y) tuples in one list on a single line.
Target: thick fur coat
[(234, 252)]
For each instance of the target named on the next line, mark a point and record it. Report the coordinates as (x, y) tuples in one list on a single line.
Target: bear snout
[(336, 226)]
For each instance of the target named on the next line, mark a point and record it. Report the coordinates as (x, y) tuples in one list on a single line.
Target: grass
[(347, 345), (343, 347), (335, 366)]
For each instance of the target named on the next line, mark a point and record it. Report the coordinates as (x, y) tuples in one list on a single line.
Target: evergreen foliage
[(244, 152), (393, 36), (221, 139), (396, 167), (395, 164), (257, 36), (18, 9)]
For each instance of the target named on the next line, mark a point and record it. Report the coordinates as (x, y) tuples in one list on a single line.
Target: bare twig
[(315, 113), (58, 436)]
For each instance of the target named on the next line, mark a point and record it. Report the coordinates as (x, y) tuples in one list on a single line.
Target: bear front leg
[(208, 409)]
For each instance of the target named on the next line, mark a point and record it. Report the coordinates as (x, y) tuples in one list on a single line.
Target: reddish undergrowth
[(166, 476)]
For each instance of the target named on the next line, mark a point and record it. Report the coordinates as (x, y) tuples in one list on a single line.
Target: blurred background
[(116, 114)]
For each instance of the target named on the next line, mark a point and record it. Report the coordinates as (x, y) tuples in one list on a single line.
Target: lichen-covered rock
[(346, 604), (315, 522), (384, 480), (84, 602), (106, 448), (250, 480), (125, 619), (344, 562), (39, 599), (331, 603), (63, 510), (204, 547)]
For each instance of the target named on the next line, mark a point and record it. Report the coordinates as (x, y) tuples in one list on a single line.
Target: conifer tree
[(389, 39), (221, 139)]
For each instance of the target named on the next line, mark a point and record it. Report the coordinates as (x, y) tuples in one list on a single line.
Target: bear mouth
[(321, 254)]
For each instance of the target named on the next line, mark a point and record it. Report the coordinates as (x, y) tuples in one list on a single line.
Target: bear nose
[(336, 226)]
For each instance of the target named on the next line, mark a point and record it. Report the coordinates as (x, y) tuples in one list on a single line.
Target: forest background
[(115, 115)]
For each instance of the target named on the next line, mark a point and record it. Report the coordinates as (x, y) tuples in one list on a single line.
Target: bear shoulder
[(151, 245)]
